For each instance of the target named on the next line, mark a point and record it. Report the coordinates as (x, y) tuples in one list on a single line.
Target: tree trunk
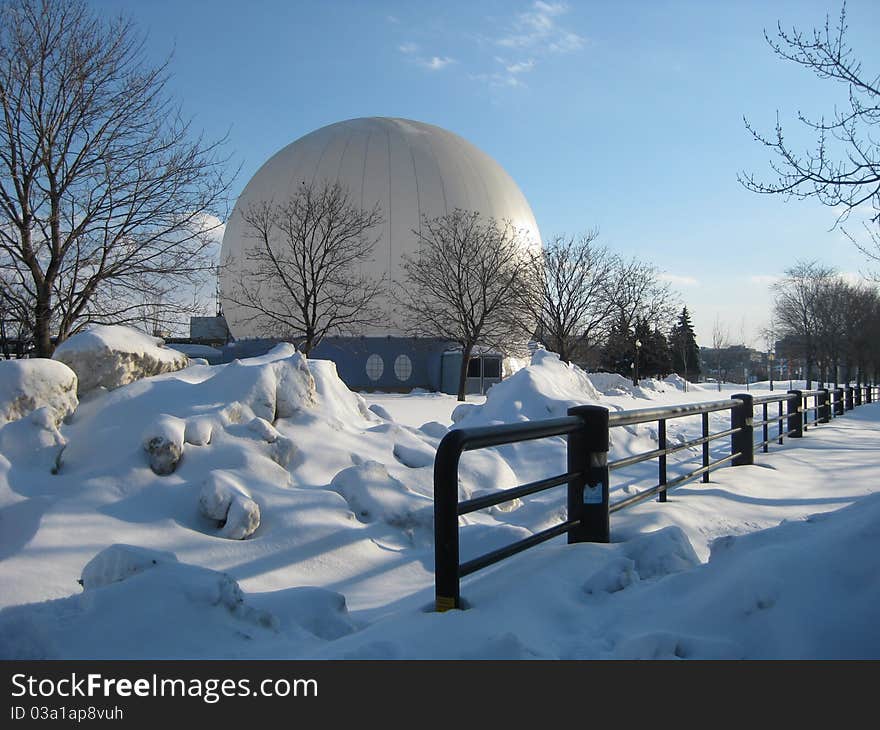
[(42, 327), (462, 375)]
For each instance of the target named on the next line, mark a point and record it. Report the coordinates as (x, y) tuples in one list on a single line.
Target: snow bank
[(26, 385), (547, 388), (110, 356)]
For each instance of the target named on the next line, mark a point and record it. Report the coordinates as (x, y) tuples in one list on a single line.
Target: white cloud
[(520, 66), (436, 63), (679, 280), (498, 80), (538, 28), (408, 48)]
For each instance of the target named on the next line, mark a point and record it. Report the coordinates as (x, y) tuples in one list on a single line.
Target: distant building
[(736, 364)]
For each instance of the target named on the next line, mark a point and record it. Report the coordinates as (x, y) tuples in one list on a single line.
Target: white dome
[(411, 169)]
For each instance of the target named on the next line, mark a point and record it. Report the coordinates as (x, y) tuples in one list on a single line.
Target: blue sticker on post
[(593, 495)]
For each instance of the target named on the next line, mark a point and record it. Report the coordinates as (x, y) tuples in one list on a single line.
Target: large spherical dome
[(410, 169)]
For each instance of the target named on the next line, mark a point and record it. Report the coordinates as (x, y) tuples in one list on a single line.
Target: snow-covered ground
[(156, 482)]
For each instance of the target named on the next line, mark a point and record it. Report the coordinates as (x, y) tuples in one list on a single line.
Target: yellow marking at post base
[(444, 603)]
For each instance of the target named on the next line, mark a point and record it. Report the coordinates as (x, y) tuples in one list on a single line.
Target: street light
[(771, 357), (636, 373)]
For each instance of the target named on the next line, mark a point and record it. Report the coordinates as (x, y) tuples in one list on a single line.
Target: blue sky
[(625, 116)]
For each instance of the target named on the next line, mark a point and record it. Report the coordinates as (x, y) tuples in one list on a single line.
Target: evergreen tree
[(618, 353), (684, 350), (654, 357)]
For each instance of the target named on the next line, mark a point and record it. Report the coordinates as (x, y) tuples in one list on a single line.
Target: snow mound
[(381, 412), (337, 401), (140, 604), (414, 456), (612, 384), (33, 442), (119, 562), (679, 383), (110, 356), (547, 388), (373, 494), (26, 385)]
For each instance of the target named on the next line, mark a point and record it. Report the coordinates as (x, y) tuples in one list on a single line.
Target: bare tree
[(572, 302), (104, 196), (797, 301), (464, 284), (843, 170), (638, 294), (302, 276), (720, 341)]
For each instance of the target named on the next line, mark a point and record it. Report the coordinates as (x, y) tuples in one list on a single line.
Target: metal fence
[(588, 470)]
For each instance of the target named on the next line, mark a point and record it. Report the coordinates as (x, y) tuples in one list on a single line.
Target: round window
[(403, 367), (375, 366)]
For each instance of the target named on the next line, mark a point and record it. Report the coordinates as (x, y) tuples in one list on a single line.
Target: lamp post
[(636, 364), (770, 358)]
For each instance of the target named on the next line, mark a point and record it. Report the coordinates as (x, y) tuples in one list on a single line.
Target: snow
[(109, 356), (298, 523), (26, 385)]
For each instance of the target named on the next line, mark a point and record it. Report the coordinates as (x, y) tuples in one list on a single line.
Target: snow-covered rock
[(163, 441), (198, 430), (26, 385), (265, 430), (242, 519), (283, 451), (222, 499), (110, 356)]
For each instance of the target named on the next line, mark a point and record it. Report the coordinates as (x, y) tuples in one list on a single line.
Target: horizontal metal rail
[(677, 482), (484, 561), (646, 415), (506, 495)]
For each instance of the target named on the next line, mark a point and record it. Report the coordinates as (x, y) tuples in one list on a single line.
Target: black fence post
[(795, 414), (743, 441), (824, 407), (705, 420), (661, 444), (849, 398), (868, 394), (446, 566), (779, 422), (588, 492), (857, 391), (838, 402)]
